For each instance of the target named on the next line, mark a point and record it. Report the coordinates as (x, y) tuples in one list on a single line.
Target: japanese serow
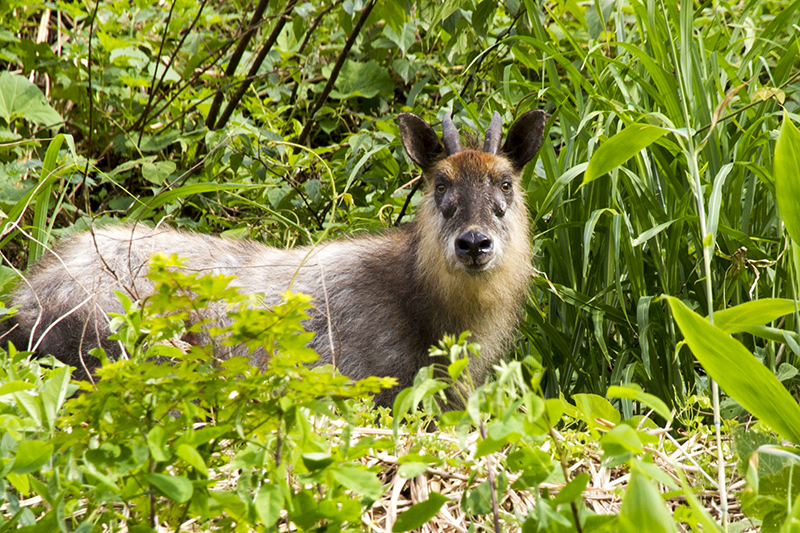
[(464, 263)]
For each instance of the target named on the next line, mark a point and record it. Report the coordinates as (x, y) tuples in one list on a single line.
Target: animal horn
[(494, 134), (452, 143)]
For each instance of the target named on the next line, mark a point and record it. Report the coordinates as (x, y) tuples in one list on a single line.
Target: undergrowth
[(169, 436)]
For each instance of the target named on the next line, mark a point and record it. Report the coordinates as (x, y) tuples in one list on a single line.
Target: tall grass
[(716, 78)]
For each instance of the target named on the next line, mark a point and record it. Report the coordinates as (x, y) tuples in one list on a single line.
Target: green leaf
[(787, 176), (40, 233), (192, 458), (176, 488), (643, 508), (317, 460), (755, 313), (591, 406), (621, 147), (20, 482), (632, 391), (359, 480), (366, 80), (30, 404), (155, 441), (269, 503), (478, 500), (31, 455), (158, 172), (620, 440), (418, 514), (54, 394), (19, 98), (14, 386), (573, 491), (739, 374), (489, 445), (411, 470)]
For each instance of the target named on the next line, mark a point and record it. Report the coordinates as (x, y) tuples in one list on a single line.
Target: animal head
[(474, 198)]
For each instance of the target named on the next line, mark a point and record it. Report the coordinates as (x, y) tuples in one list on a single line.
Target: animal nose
[(474, 247)]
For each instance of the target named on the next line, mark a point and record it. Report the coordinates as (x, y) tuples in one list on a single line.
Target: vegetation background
[(275, 120)]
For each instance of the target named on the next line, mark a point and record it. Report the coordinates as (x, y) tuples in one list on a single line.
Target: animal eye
[(505, 186), (441, 188)]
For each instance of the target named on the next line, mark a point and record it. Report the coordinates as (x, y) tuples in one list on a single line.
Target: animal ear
[(525, 138), (420, 141)]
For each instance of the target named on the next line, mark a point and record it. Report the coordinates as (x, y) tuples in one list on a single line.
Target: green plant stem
[(565, 470), (690, 153), (492, 484)]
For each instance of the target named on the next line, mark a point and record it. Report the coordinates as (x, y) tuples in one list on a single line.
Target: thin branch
[(493, 48), (188, 83), (314, 25), (233, 64), (84, 188), (311, 29), (154, 90), (251, 75), (408, 201), (155, 70), (492, 484), (323, 97)]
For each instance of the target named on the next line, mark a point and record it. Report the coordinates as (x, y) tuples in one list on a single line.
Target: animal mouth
[(479, 264)]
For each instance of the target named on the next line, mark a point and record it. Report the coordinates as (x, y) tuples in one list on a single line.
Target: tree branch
[(259, 60), (255, 20), (323, 97)]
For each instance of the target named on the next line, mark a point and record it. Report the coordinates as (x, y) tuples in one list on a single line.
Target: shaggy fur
[(389, 296)]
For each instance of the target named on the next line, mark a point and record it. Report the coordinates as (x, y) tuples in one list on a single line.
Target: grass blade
[(740, 375)]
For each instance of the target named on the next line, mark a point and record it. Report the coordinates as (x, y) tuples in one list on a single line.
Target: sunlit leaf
[(643, 509), (621, 147), (787, 176), (418, 514), (176, 488), (31, 455), (19, 98), (738, 372), (754, 313)]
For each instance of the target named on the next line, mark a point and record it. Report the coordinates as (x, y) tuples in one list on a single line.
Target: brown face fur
[(473, 200), (473, 193)]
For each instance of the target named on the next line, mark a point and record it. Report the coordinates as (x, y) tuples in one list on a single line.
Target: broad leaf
[(359, 480), (739, 374), (192, 457), (176, 488), (418, 514), (19, 98), (269, 503), (756, 313), (632, 391), (366, 80), (31, 455), (621, 147), (643, 508)]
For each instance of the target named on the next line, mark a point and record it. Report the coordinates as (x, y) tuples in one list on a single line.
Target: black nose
[(474, 247)]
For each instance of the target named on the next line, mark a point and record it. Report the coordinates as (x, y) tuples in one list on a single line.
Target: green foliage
[(163, 432), (753, 385), (787, 176), (654, 106), (662, 174)]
